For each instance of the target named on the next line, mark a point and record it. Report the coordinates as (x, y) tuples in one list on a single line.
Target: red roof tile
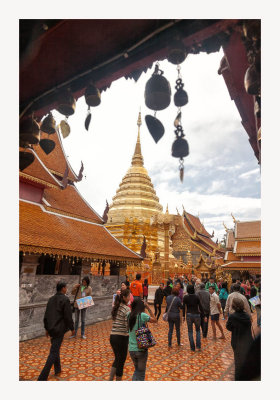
[(242, 265), (61, 235), (70, 201), (248, 247), (56, 160), (249, 229), (231, 257), (197, 225), (38, 172)]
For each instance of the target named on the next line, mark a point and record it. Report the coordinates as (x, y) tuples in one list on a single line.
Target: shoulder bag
[(165, 315), (144, 336)]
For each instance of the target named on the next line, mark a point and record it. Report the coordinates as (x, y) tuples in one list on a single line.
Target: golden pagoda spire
[(137, 158)]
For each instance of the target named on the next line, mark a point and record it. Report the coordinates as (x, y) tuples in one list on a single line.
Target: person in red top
[(136, 287)]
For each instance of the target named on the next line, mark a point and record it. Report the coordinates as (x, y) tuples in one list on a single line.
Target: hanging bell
[(25, 159), (66, 103), (48, 125), (181, 98), (47, 145), (180, 148), (257, 108), (157, 91), (252, 81), (92, 96), (155, 127), (177, 52), (29, 132), (64, 128)]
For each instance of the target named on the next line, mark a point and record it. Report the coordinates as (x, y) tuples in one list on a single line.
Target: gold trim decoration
[(37, 180), (58, 211), (71, 253)]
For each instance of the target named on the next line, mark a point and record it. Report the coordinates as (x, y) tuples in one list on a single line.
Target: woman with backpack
[(136, 319), (145, 290), (223, 297), (119, 333)]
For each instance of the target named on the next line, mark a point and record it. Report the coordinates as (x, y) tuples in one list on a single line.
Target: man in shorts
[(215, 311)]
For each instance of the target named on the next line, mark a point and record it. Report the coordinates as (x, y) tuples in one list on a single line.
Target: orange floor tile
[(91, 359)]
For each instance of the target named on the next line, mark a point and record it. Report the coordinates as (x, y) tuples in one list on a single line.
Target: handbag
[(73, 308), (144, 337), (165, 315)]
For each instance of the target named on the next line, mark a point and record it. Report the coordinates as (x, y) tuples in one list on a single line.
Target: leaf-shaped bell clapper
[(92, 96), (181, 98), (177, 52), (157, 91), (29, 131), (66, 103), (252, 81), (25, 159), (155, 127), (48, 124), (47, 145), (64, 128), (180, 148)]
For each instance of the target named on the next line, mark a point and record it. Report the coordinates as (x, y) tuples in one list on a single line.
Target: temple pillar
[(28, 270), (86, 267), (166, 250)]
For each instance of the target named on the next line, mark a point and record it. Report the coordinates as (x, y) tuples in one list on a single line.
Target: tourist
[(220, 283), (180, 287), (256, 291), (127, 284), (204, 297), (174, 315), (231, 288), (236, 294), (159, 295), (136, 319), (239, 323), (145, 287), (223, 295), (168, 289), (193, 316), (57, 321), (197, 285), (136, 287), (210, 283), (242, 290), (215, 311), (81, 291), (119, 334), (123, 287)]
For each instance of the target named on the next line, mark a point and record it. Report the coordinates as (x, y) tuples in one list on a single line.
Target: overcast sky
[(222, 174)]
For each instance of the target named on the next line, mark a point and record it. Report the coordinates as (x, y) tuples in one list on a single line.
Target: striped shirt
[(120, 324)]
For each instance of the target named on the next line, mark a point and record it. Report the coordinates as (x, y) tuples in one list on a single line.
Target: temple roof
[(247, 248), (242, 266), (56, 161), (71, 202), (230, 256), (248, 229), (42, 231), (38, 172), (230, 239)]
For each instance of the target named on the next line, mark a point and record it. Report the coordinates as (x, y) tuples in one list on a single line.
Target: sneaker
[(84, 337)]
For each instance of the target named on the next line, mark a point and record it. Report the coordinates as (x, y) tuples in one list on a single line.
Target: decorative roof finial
[(226, 228), (234, 220), (167, 212), (139, 121), (137, 158)]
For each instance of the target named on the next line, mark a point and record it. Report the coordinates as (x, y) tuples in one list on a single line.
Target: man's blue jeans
[(194, 319), (83, 320), (139, 359)]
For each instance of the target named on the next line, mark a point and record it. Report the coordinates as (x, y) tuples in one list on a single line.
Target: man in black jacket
[(57, 321), (204, 297), (159, 295)]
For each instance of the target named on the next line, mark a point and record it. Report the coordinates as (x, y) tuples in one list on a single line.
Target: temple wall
[(33, 297)]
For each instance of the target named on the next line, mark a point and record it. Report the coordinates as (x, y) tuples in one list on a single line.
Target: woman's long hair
[(137, 307), (119, 299)]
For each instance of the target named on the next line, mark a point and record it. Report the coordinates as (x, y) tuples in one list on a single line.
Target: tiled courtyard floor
[(91, 359)]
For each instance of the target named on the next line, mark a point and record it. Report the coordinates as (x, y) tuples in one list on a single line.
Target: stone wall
[(33, 297)]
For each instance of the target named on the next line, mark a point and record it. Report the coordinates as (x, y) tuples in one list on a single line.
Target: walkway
[(91, 359)]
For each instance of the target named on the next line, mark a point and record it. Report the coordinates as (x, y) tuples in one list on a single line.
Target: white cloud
[(249, 174)]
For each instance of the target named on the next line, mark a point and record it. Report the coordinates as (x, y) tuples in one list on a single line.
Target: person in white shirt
[(215, 311), (236, 294)]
